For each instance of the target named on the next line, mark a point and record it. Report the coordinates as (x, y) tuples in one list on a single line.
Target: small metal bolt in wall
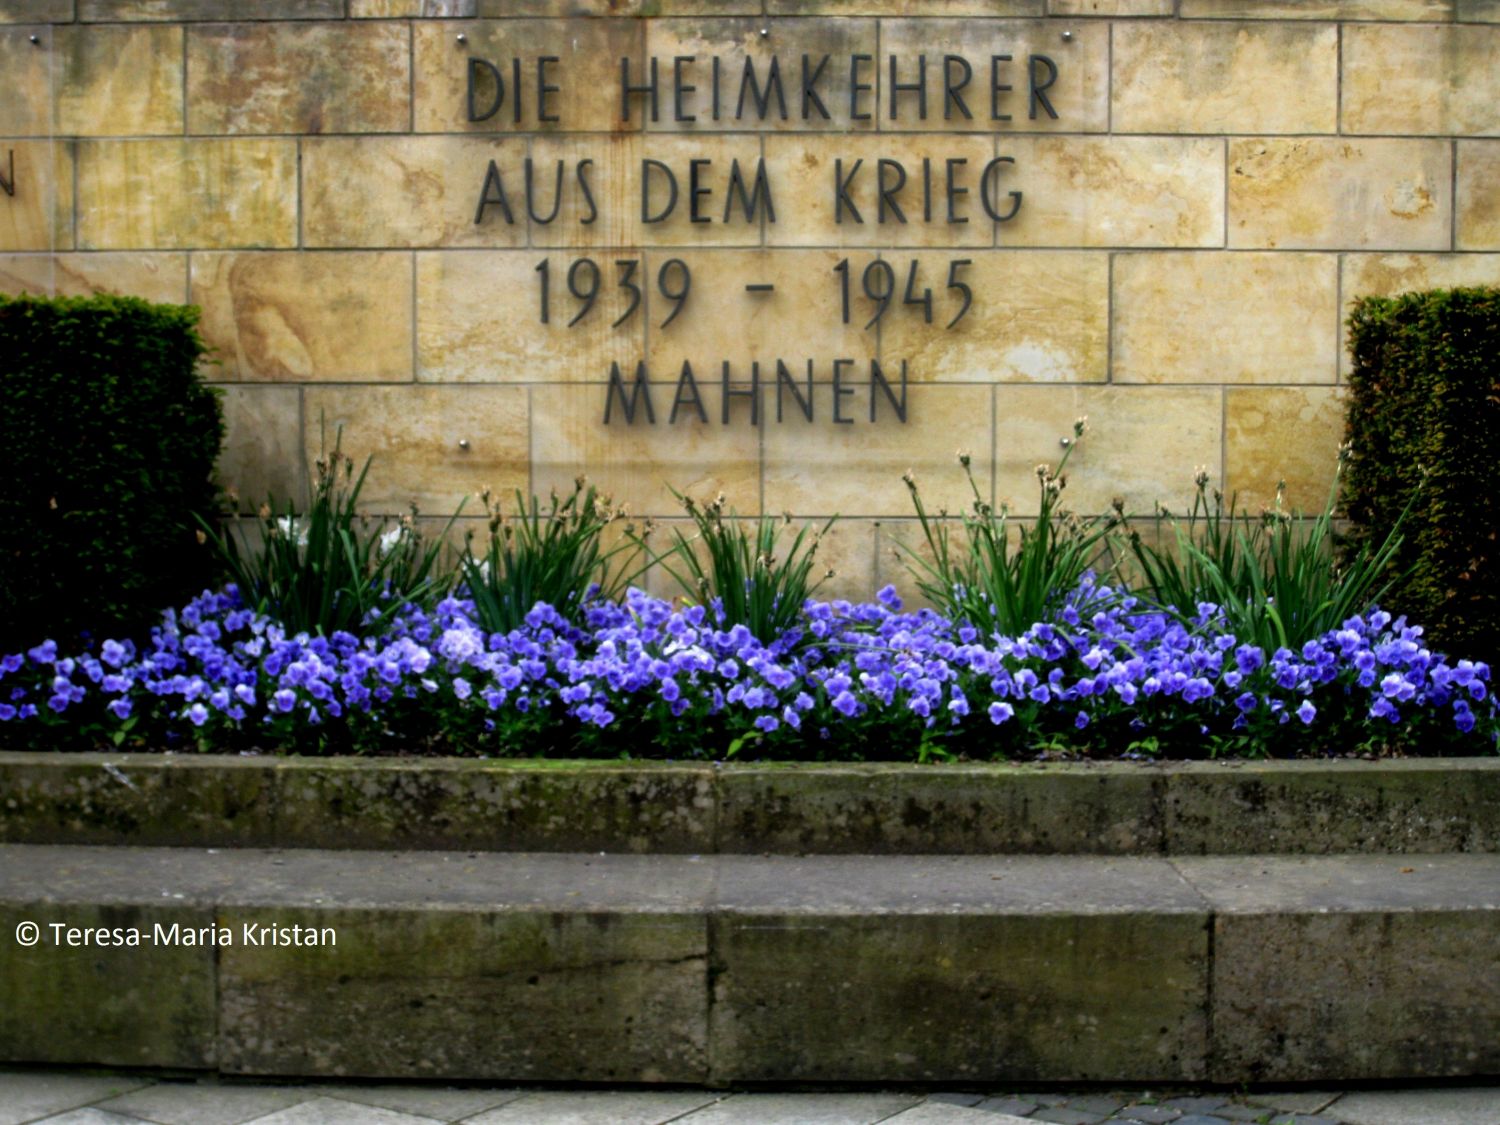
[(36, 40), (462, 38), (1065, 442), (764, 32), (463, 443), (1067, 37)]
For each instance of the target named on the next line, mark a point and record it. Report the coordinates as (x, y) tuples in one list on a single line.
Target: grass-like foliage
[(735, 563), (329, 568), (1276, 578), (555, 556), (992, 583)]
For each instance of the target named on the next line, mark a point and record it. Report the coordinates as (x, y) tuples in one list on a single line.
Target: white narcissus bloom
[(392, 539), (293, 529)]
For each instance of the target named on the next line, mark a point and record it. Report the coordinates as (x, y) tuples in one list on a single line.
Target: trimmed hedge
[(1425, 401), (108, 440)]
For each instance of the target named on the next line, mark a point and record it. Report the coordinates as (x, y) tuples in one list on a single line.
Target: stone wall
[(1204, 186)]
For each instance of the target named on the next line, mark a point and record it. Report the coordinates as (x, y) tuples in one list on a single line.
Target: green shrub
[(107, 446), (1424, 402)]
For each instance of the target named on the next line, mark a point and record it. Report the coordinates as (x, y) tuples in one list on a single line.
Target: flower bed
[(644, 677)]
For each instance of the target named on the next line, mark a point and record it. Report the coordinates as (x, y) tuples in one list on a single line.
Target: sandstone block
[(118, 81), (1427, 79), (806, 173), (855, 469), (415, 433), (1478, 195), (906, 7), (297, 78), (640, 463), (263, 453), (479, 317), (1110, 7), (1225, 317), (1385, 275), (1117, 191), (1172, 77), (1143, 444), (1275, 434), (27, 108), (307, 317), (1077, 93), (1316, 194), (738, 45), (178, 194), (39, 216), (586, 73), (113, 11), (154, 277), (1318, 9), (1479, 11), (407, 191), (1038, 316), (37, 11)]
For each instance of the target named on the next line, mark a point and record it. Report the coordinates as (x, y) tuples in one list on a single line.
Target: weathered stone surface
[(800, 319), (956, 969), (1352, 967), (118, 81), (930, 810), (803, 170), (1206, 317), (39, 216), (1310, 193), (1110, 7), (1479, 11), (37, 11), (415, 433), (1120, 191), (1318, 9), (1143, 444), (1172, 77), (1428, 79), (496, 806), (557, 966), (26, 110), (297, 78), (263, 452), (1276, 434), (1037, 317), (479, 319), (587, 74), (119, 1005), (1478, 195), (738, 41), (181, 194), (306, 317), (1385, 275), (828, 468), (1079, 95), (640, 463), (136, 799), (848, 549), (110, 11), (154, 277), (407, 191), (1257, 808), (905, 7)]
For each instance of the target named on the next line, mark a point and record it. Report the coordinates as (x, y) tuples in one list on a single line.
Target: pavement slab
[(1460, 1106), (566, 1107), (206, 1103), (801, 1109), (27, 1097)]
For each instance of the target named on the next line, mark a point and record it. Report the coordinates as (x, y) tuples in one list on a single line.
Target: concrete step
[(752, 969), (1416, 806)]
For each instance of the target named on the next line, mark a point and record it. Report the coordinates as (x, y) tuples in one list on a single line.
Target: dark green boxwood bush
[(108, 440), (1424, 408)]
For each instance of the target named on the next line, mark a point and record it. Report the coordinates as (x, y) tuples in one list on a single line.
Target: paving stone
[(1195, 1104), (1099, 1104), (334, 1111), (91, 1116), (1021, 1107), (1149, 1114), (956, 1099), (1201, 1119), (569, 1107), (1241, 1112), (26, 1097), (1462, 1106), (207, 1103), (1293, 1101), (1302, 1119), (938, 1113), (800, 1109), (1062, 1115), (432, 1101)]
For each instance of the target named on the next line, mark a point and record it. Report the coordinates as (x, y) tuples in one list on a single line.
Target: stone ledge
[(1416, 806), (731, 969)]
